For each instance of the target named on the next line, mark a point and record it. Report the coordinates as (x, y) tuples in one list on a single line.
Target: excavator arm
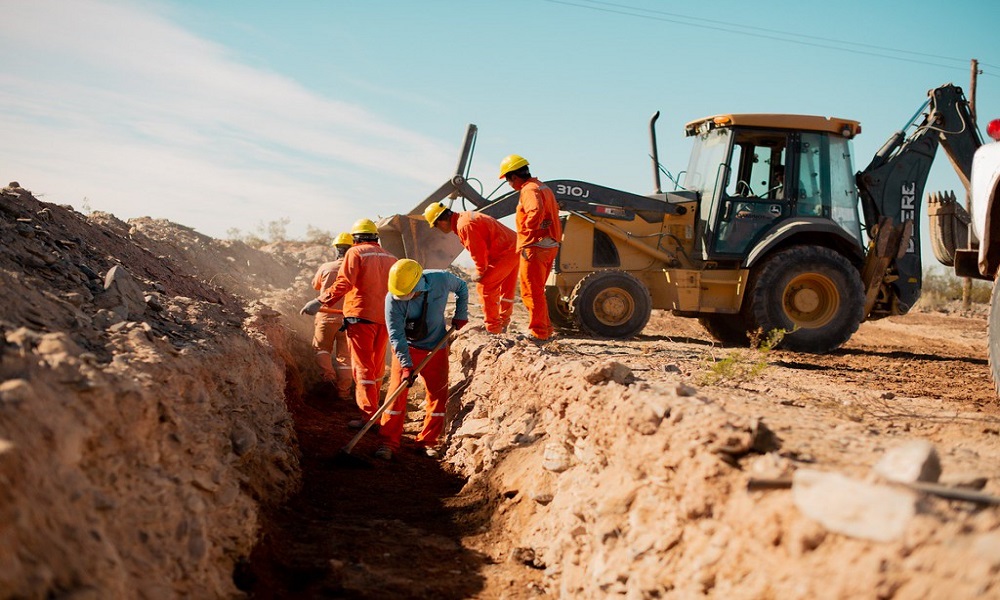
[(891, 188), (408, 235)]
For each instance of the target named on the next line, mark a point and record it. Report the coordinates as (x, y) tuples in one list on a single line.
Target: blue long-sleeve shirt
[(437, 285)]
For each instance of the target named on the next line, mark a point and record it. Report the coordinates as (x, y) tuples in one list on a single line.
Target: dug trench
[(170, 439), (594, 468)]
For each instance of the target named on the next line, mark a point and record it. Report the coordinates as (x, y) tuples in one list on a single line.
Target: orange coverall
[(539, 232), (328, 336), (436, 287), (435, 376), (493, 247), (363, 283)]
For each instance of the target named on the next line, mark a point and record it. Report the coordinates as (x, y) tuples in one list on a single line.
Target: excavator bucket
[(949, 225), (408, 236)]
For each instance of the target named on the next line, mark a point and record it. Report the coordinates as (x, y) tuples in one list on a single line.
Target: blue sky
[(221, 115)]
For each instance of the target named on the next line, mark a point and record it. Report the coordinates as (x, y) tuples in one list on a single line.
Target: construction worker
[(414, 314), (328, 330), (361, 282), (538, 234), (493, 247)]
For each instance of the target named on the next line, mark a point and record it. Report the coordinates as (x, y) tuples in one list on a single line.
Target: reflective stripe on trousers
[(435, 378), (496, 292), (368, 342), (332, 352), (536, 263)]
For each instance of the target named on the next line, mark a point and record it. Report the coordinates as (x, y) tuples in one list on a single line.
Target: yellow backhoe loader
[(763, 233)]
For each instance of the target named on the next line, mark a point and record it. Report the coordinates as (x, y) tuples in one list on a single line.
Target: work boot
[(384, 453), (428, 451)]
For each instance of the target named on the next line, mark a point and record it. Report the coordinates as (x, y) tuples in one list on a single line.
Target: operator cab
[(754, 172)]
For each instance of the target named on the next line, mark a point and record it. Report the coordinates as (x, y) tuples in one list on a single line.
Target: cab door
[(755, 197)]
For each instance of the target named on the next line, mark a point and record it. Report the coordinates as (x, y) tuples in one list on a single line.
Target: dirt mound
[(229, 264), (616, 476), (142, 418)]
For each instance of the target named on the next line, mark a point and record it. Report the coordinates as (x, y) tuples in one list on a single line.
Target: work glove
[(459, 323), (311, 307), (407, 376)]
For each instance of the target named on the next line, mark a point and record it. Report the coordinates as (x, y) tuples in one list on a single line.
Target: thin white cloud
[(114, 102)]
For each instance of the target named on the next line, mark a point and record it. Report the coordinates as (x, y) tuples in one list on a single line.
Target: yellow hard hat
[(343, 239), (403, 276), (364, 226), (512, 163), (432, 212)]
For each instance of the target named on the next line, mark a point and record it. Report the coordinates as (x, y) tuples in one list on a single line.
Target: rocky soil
[(163, 434), (143, 422)]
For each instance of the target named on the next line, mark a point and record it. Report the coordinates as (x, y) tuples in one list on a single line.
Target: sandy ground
[(465, 527)]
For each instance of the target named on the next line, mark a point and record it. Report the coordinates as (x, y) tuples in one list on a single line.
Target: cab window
[(755, 195), (826, 186)]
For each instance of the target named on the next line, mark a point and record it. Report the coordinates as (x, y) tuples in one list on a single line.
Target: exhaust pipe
[(655, 154)]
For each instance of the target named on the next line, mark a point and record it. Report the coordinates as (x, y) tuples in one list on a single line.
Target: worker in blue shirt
[(414, 315)]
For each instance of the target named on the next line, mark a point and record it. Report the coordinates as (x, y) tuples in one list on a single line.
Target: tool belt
[(348, 321)]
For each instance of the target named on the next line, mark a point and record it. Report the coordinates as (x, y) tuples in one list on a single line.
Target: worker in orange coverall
[(493, 247), (539, 232), (414, 314), (362, 283), (328, 330)]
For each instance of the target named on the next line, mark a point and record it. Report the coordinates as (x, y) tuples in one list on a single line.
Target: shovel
[(345, 452)]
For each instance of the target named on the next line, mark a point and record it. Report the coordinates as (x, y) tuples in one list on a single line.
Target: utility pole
[(967, 283)]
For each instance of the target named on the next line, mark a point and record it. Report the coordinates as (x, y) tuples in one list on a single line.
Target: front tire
[(612, 304), (813, 293)]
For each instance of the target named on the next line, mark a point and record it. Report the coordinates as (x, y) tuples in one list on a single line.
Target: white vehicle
[(986, 226)]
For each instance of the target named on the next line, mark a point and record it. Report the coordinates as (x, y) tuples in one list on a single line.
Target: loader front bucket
[(408, 236)]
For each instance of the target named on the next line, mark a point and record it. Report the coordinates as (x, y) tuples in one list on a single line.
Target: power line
[(776, 31), (778, 35)]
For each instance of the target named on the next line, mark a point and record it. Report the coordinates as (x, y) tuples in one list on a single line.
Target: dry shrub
[(940, 290)]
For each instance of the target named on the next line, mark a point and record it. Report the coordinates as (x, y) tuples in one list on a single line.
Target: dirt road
[(414, 528)]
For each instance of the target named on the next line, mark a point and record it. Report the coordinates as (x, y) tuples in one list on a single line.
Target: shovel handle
[(392, 397)]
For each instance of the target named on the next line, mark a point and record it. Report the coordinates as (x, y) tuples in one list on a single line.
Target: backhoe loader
[(763, 233)]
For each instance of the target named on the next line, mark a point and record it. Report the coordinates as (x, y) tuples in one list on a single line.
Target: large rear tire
[(811, 292), (729, 330), (993, 338), (612, 304)]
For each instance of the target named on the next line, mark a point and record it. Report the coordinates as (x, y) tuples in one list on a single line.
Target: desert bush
[(742, 365), (272, 231), (315, 235), (941, 289)]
